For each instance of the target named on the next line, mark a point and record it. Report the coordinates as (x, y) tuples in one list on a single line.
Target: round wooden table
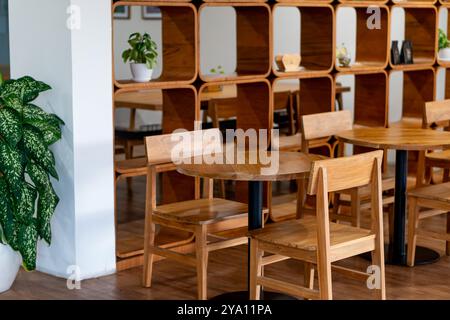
[(290, 166), (401, 140)]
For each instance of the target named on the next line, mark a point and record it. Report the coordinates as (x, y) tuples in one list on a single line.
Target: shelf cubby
[(418, 88), (317, 39), (445, 64), (179, 44), (421, 23), (315, 94), (370, 98), (371, 45), (253, 41)]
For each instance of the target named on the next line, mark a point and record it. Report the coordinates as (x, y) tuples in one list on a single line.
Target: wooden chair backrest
[(168, 148), (326, 124), (282, 100), (343, 173), (222, 109), (437, 112), (346, 172)]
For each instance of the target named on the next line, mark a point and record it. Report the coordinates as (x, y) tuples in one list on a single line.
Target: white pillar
[(77, 64)]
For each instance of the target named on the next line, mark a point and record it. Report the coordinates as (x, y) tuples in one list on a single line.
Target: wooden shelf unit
[(182, 81), (253, 41), (372, 49), (179, 45), (421, 23), (317, 39)]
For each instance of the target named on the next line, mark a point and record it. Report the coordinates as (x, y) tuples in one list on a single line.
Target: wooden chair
[(435, 200), (199, 216), (328, 124), (436, 116), (316, 240)]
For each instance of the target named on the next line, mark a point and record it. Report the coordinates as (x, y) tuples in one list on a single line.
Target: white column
[(77, 64)]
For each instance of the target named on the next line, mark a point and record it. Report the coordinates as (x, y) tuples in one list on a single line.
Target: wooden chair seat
[(438, 192), (407, 122), (302, 234), (201, 211), (287, 143), (439, 156), (136, 166), (388, 183)]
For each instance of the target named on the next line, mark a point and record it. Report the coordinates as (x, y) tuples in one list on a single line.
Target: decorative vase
[(140, 72), (444, 54), (9, 265)]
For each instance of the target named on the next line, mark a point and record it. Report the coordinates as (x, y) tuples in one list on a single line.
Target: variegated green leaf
[(37, 149), (10, 126), (11, 166), (27, 238), (7, 222), (39, 176), (33, 113), (26, 88), (2, 236), (46, 207), (12, 101), (25, 206)]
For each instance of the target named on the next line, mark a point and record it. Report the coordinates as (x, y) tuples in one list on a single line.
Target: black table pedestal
[(395, 253), (255, 216)]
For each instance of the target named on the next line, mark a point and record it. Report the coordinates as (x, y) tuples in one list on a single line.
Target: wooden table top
[(291, 166), (396, 138), (153, 100)]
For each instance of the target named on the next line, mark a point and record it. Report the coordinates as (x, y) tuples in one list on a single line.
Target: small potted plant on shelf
[(343, 56), (27, 197), (142, 56), (444, 46), (215, 71)]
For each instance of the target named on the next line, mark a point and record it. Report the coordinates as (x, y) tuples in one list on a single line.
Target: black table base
[(244, 295), (423, 256)]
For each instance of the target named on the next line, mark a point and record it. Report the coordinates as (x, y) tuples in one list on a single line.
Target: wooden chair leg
[(301, 197), (355, 207), (391, 222), (446, 177), (202, 262), (255, 269), (447, 249), (148, 253), (413, 223), (324, 275), (378, 260), (309, 275), (336, 205)]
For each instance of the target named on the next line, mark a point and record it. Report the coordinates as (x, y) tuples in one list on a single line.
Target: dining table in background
[(290, 166), (401, 140)]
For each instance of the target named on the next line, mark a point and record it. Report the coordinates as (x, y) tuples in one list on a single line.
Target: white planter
[(444, 54), (9, 265), (140, 72)]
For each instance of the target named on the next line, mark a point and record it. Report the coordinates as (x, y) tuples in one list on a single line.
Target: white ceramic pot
[(140, 72), (444, 54), (9, 265)]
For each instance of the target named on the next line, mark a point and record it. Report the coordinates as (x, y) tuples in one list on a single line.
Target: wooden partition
[(421, 24), (253, 41), (317, 39), (372, 50), (179, 45)]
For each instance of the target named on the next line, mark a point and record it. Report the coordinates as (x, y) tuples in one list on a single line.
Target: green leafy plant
[(27, 197), (143, 50), (443, 40), (217, 70)]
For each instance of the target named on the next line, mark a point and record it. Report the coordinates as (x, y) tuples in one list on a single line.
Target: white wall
[(75, 64)]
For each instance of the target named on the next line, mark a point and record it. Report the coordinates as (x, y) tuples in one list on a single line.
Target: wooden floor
[(227, 272)]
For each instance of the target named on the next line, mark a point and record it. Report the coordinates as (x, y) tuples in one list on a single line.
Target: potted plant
[(343, 56), (27, 197), (444, 46), (217, 71), (142, 56)]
